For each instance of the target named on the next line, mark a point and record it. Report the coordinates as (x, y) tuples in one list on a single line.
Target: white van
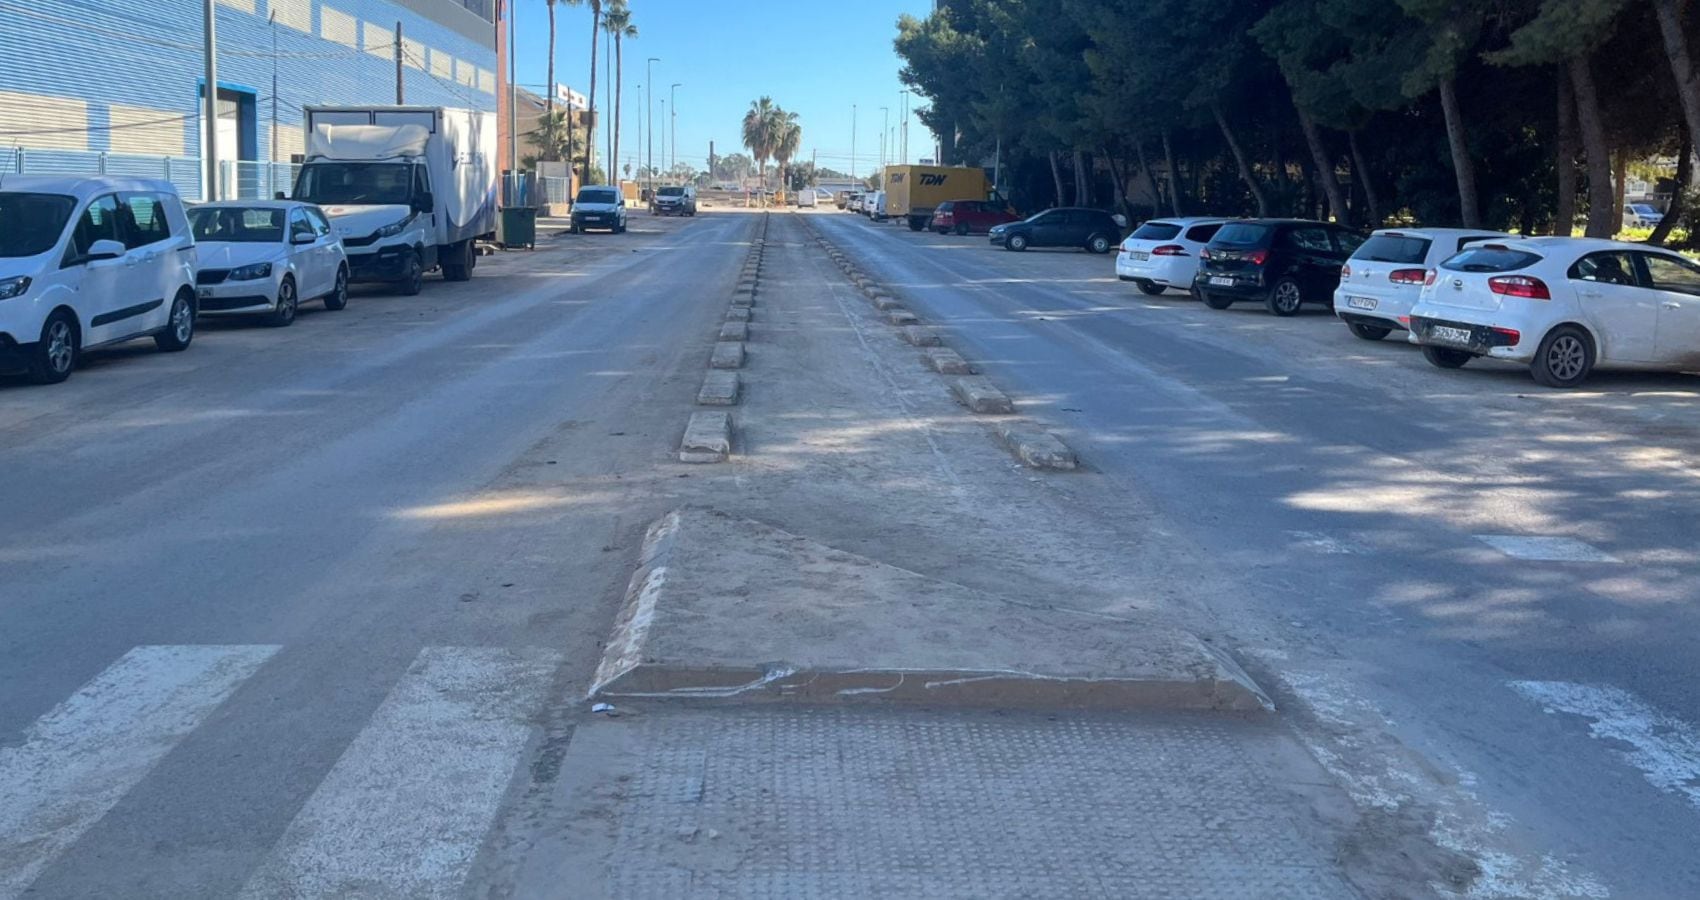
[(408, 188), (87, 262), (876, 206), (807, 199)]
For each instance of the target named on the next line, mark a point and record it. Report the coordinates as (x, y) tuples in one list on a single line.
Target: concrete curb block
[(900, 317), (631, 627), (946, 361), (887, 303), (981, 396), (738, 314), (708, 438), (727, 355), (720, 389), (735, 331), (920, 336), (743, 301), (1037, 449)]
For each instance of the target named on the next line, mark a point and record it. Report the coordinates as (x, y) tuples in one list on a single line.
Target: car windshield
[(1156, 231), (1490, 258), (603, 195), (1394, 248), (665, 192), (238, 224), (1242, 233), (31, 223), (1642, 209), (356, 184)]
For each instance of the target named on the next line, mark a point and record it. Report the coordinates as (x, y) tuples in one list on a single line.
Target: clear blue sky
[(815, 58)]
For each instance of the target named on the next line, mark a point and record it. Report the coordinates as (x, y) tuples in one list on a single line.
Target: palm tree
[(619, 23), (758, 132), (590, 96), (549, 99), (787, 139)]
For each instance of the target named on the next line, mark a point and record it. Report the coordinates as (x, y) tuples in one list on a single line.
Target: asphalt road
[(1358, 520)]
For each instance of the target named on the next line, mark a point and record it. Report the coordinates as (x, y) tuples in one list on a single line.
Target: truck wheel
[(413, 277), (461, 268)]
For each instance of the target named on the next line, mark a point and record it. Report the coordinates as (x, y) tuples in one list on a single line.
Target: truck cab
[(408, 189)]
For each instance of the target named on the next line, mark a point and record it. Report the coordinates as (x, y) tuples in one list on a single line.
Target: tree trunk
[(1564, 216), (1056, 176), (1594, 146), (1257, 194), (1684, 163), (1082, 185), (1324, 166), (619, 88), (1676, 48), (1150, 179), (590, 96), (549, 93), (1118, 182), (1469, 207), (1174, 175), (1366, 180), (1620, 188)]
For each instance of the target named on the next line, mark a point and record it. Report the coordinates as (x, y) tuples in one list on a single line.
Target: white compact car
[(90, 261), (1163, 253), (853, 203), (1564, 306), (875, 204), (266, 257), (1385, 275)]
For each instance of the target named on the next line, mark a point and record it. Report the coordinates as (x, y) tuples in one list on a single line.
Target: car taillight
[(1520, 286), (1428, 279), (1169, 250), (1408, 276), (1204, 254), (1346, 271), (1257, 257), (1512, 335)]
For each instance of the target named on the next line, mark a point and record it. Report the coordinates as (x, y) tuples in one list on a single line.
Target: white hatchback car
[(90, 261), (1564, 306), (1163, 253), (266, 256), (1382, 280)]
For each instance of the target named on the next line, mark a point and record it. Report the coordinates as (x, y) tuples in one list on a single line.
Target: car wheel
[(1446, 357), (1098, 244), (961, 230), (1285, 298), (338, 297), (1215, 301), (1369, 332), (283, 313), (179, 326), (1017, 242), (55, 355), (413, 279), (1564, 359), (1147, 286)]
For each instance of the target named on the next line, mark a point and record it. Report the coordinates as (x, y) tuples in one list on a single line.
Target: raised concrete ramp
[(722, 607)]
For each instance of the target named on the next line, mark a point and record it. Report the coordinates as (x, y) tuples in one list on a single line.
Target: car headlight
[(16, 286), (251, 272), (392, 229)]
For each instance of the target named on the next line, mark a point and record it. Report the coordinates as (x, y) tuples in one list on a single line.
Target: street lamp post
[(853, 141), (906, 128), (209, 135), (674, 126), (649, 110), (884, 126), (270, 178), (664, 132)]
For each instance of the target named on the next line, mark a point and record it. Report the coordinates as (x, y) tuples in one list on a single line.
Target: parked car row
[(88, 262)]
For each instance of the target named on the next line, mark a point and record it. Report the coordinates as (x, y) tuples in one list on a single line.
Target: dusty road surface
[(418, 599)]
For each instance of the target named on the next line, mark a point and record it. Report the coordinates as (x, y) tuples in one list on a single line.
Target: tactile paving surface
[(830, 803)]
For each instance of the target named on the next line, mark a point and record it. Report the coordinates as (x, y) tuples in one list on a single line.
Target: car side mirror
[(424, 203), (303, 238), (280, 195), (107, 249)]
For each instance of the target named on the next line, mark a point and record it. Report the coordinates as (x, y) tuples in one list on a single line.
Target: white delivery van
[(408, 188)]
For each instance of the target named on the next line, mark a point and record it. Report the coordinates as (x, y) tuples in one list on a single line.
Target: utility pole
[(853, 141), (674, 128), (400, 93), (906, 128), (640, 134), (210, 129), (711, 162), (649, 110), (885, 112), (664, 133), (513, 103), (272, 21)]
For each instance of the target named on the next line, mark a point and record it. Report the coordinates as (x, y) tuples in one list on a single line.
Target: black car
[(1091, 229), (1282, 263)]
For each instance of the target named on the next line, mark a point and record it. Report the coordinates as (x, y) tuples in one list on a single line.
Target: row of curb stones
[(708, 434), (1027, 441)]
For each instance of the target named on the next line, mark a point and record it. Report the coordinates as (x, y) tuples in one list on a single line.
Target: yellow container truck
[(914, 192)]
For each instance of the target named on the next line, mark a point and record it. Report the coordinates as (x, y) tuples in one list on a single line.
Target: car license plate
[(1140, 255), (1219, 281), (204, 293), (1449, 335), (1362, 302)]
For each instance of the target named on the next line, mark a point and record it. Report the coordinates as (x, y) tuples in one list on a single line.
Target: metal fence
[(239, 179), (557, 190)]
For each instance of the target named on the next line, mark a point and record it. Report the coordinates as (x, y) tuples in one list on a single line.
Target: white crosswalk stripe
[(79, 759), (403, 812)]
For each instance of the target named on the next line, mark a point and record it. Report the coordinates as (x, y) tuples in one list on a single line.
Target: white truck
[(407, 188)]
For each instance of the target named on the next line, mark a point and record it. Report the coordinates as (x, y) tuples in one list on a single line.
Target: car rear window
[(1394, 248), (1202, 234), (1243, 233), (1157, 231), (1490, 258)]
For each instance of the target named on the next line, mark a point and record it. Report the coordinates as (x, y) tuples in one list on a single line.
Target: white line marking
[(1323, 543), (82, 757), (403, 812), (1665, 749), (1545, 549)]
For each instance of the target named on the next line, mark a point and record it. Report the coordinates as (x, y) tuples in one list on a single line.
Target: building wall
[(125, 77)]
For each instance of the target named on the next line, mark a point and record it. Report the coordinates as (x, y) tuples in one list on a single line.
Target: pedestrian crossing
[(402, 812)]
